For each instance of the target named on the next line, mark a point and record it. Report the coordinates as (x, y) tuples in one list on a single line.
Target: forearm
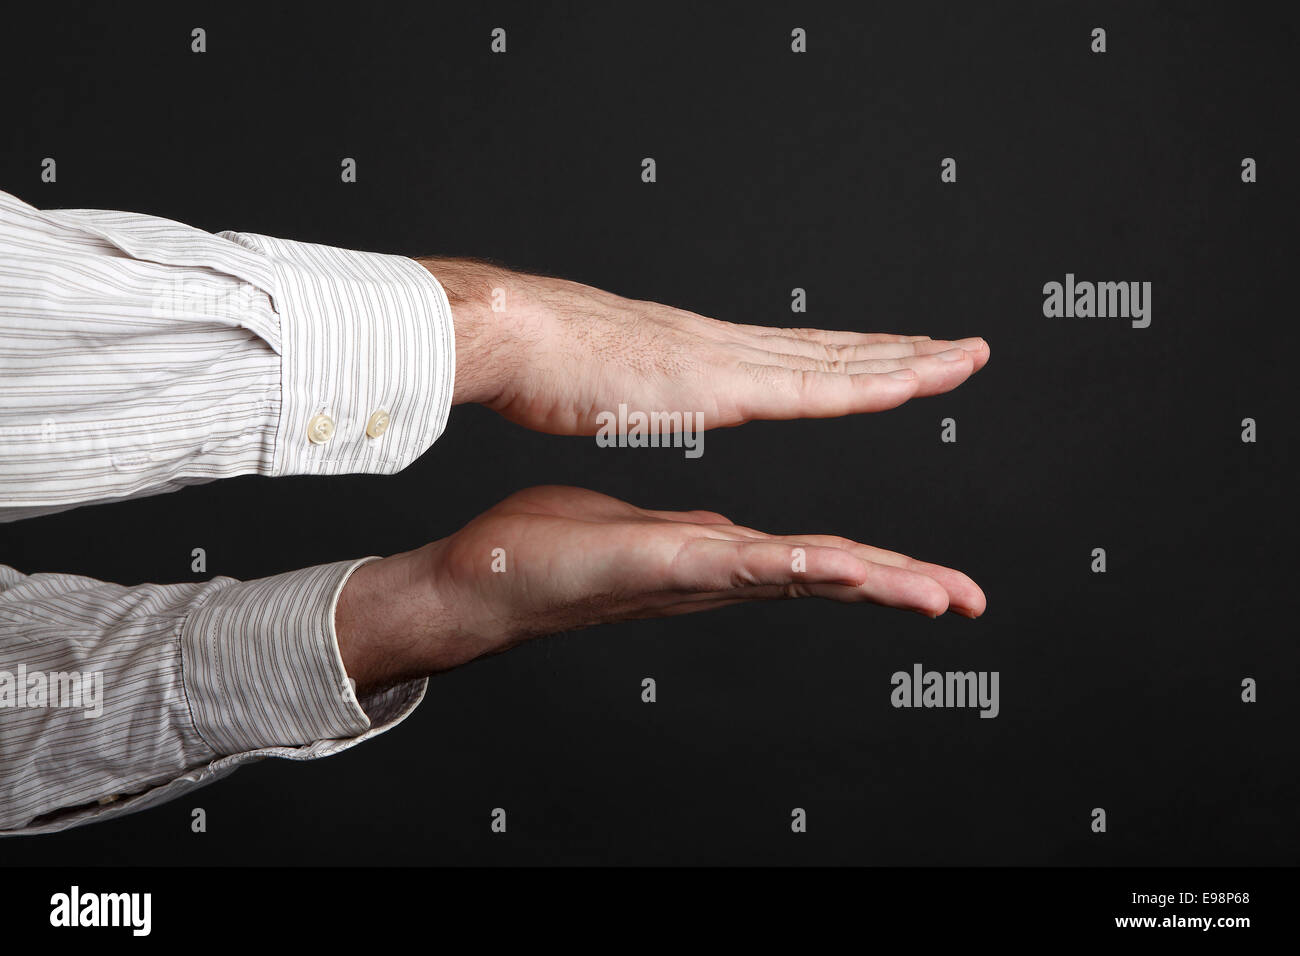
[(386, 621), (487, 303)]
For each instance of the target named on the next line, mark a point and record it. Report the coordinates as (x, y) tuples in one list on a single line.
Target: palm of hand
[(553, 558)]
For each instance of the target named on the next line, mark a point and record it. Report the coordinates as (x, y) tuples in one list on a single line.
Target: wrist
[(471, 287), (378, 621)]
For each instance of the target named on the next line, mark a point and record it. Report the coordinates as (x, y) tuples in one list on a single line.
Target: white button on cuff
[(378, 424), (320, 429)]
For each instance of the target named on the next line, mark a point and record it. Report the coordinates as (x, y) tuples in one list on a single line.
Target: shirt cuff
[(263, 674), (368, 357)]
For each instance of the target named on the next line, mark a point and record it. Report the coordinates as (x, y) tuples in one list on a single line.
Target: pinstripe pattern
[(138, 356)]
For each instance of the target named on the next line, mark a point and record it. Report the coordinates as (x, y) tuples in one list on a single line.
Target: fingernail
[(903, 374), (952, 355)]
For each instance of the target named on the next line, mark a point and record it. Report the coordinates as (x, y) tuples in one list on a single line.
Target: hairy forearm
[(386, 621), (405, 616), (482, 359)]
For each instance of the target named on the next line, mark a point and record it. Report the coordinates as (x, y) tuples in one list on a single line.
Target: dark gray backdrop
[(775, 170)]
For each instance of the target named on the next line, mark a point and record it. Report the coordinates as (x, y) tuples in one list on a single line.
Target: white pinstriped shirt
[(137, 356)]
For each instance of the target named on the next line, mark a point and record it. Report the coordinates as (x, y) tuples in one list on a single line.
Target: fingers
[(688, 517), (961, 594), (711, 565), (964, 595), (778, 340), (842, 347), (884, 585), (829, 337), (774, 392), (977, 347), (888, 587), (807, 373), (758, 567), (820, 336), (939, 370)]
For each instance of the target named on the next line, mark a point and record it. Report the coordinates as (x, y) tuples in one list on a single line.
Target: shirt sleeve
[(114, 699), (139, 355)]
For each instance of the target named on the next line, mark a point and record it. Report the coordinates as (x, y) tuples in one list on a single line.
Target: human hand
[(559, 353), (574, 558)]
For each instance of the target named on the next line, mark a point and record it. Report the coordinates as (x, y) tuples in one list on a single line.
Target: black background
[(775, 170)]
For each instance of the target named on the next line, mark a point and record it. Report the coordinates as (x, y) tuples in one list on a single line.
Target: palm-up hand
[(558, 353), (574, 558)]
